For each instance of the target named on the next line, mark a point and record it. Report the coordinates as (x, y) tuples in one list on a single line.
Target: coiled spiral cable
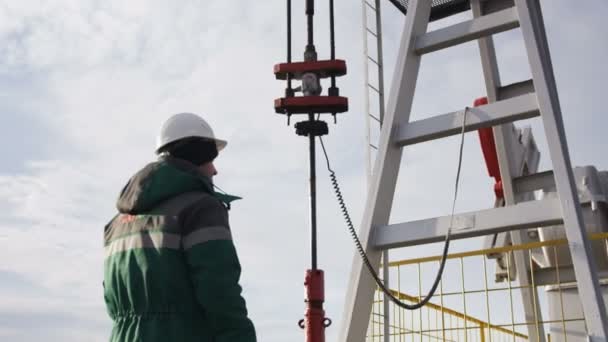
[(361, 250)]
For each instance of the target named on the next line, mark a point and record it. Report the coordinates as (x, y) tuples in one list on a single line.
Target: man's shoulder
[(188, 201), (201, 209)]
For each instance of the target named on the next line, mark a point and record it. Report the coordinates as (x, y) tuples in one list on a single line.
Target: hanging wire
[(360, 248)]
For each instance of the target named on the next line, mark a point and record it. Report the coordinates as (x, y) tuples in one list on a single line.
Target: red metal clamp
[(314, 321), (311, 104), (323, 69), (332, 103)]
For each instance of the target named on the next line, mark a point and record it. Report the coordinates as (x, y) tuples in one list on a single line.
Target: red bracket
[(311, 104), (488, 147), (324, 69)]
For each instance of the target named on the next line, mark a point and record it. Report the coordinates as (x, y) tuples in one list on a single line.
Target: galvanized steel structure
[(508, 103)]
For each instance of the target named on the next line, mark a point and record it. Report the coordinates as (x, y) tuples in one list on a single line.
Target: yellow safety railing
[(469, 307)]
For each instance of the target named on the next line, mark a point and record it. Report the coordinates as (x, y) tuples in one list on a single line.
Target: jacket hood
[(158, 182)]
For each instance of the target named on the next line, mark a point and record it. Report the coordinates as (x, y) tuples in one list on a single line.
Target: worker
[(171, 268)]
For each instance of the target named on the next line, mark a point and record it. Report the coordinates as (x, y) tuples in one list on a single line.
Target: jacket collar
[(209, 187)]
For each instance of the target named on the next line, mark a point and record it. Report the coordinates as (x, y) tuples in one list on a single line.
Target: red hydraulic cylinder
[(314, 322), (488, 147)]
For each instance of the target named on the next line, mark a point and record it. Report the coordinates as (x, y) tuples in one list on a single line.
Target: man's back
[(171, 270)]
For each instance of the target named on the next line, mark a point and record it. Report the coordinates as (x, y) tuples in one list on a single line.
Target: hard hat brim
[(219, 143)]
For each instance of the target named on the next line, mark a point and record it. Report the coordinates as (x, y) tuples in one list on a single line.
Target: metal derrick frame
[(397, 132)]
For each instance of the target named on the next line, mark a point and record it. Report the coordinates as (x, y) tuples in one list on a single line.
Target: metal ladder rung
[(371, 32), (374, 117), (441, 126), (374, 88), (515, 89), (533, 182), (524, 215), (374, 61), (372, 7), (547, 276), (467, 31)]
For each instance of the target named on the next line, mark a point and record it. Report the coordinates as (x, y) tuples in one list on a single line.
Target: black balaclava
[(195, 150)]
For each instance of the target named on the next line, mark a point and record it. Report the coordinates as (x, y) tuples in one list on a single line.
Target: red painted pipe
[(314, 322)]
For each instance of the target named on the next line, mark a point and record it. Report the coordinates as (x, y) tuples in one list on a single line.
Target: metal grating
[(439, 9)]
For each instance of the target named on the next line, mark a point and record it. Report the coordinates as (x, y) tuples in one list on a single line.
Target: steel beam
[(539, 57), (533, 182), (518, 108), (514, 90), (361, 286), (508, 170), (386, 301), (549, 276), (484, 222), (467, 31)]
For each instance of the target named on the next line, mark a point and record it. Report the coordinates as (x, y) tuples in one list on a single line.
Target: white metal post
[(359, 296), (492, 79), (535, 39), (386, 300)]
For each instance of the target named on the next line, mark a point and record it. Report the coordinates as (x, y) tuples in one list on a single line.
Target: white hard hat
[(186, 125)]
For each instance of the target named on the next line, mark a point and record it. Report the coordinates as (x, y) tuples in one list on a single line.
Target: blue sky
[(85, 85)]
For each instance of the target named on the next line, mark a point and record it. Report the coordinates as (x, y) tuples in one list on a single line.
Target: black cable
[(363, 255), (360, 248)]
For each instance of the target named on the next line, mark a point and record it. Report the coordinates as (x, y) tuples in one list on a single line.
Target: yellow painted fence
[(470, 305)]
